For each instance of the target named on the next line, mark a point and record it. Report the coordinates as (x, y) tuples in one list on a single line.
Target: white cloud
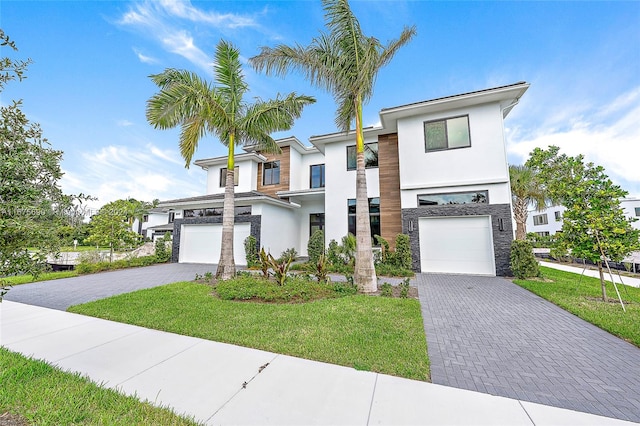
[(166, 21), (116, 172), (144, 58), (124, 123), (607, 136)]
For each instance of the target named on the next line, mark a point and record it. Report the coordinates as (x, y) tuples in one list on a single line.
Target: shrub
[(321, 272), (298, 289), (386, 290), (387, 270), (404, 288), (315, 247), (288, 254), (523, 262), (280, 267), (348, 249), (333, 253), (385, 250), (264, 263), (163, 254), (251, 251), (402, 255)]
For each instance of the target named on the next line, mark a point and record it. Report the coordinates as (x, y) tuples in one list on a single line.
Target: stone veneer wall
[(255, 220), (501, 239)]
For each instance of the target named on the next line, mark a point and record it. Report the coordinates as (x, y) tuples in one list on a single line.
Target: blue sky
[(89, 84)]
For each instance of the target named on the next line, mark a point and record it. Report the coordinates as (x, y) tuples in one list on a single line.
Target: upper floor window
[(145, 218), (316, 174), (223, 176), (558, 216), (540, 219), (271, 173), (370, 156), (447, 134), (172, 217), (476, 197), (637, 211)]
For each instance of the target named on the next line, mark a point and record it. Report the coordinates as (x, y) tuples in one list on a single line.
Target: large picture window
[(477, 197), (316, 173), (271, 173), (370, 156), (447, 134), (223, 176), (374, 216), (216, 211)]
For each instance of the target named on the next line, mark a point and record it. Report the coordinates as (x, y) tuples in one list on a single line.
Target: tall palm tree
[(344, 62), (525, 191), (199, 108)]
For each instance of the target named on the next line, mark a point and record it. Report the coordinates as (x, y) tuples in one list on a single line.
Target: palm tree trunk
[(227, 266), (364, 273), (520, 214)]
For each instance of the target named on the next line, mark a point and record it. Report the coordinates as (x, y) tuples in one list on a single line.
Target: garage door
[(201, 243), (457, 245)]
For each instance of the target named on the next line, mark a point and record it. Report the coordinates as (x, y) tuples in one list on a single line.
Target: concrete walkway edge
[(217, 383)]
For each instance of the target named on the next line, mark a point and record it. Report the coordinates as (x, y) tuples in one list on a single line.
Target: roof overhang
[(217, 200), (218, 161)]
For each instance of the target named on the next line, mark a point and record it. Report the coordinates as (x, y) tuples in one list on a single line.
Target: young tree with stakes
[(344, 62), (199, 108)]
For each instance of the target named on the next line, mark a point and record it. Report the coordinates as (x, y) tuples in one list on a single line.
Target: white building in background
[(436, 171), (549, 221)]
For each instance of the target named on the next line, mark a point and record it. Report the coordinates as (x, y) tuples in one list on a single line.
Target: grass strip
[(364, 332), (43, 395), (583, 298), (45, 276)]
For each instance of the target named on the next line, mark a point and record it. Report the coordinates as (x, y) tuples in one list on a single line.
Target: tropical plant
[(523, 262), (315, 247), (251, 251), (344, 62), (200, 109), (526, 190)]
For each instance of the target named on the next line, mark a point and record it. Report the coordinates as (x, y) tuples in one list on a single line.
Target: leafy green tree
[(200, 108), (32, 205), (110, 227), (526, 190), (594, 226), (344, 62)]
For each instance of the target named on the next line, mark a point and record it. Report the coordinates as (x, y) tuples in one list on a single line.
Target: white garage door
[(201, 243), (457, 245)]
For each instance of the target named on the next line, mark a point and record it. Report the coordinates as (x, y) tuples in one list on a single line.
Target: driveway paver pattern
[(490, 335), (65, 292)]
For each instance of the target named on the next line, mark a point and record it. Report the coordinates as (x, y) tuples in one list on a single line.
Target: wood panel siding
[(285, 167), (389, 175)]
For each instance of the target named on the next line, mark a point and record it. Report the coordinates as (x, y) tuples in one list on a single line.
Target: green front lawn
[(585, 301), (43, 395), (370, 333)]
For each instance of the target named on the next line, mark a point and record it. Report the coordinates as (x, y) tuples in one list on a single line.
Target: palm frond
[(229, 76)]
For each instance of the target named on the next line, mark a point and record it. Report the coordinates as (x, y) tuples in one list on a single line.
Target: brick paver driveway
[(487, 334), (62, 293)]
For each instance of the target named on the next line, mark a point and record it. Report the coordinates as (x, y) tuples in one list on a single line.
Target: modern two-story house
[(436, 171)]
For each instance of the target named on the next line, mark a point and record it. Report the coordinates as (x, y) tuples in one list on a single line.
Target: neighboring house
[(436, 171), (153, 224), (549, 221)]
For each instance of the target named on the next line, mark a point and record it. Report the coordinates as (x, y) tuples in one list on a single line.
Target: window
[(447, 134), (374, 216), (223, 176), (477, 197), (370, 156), (637, 211), (216, 211), (145, 218), (558, 216), (540, 219), (542, 234), (316, 174), (316, 222), (271, 173), (172, 216)]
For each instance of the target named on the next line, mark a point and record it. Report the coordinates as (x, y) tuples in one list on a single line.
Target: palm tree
[(344, 62), (199, 108), (525, 191)]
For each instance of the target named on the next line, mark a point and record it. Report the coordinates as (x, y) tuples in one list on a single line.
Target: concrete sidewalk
[(633, 282), (224, 384)]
